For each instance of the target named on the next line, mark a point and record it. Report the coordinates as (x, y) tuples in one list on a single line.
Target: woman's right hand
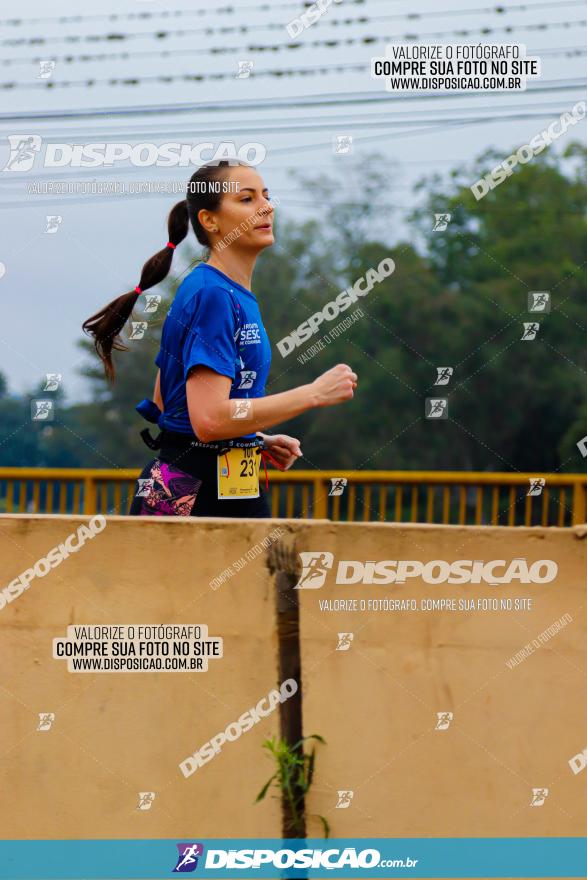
[(334, 386)]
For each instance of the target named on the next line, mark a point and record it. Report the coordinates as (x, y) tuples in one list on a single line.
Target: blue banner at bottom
[(383, 857)]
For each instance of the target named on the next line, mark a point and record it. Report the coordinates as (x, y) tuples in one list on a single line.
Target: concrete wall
[(513, 729), (116, 734)]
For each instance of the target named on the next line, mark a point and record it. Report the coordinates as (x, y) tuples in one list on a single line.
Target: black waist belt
[(178, 440)]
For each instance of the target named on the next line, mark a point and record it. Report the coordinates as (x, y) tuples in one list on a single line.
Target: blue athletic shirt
[(215, 322)]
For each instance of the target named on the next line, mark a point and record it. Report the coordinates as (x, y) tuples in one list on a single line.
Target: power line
[(245, 105), (276, 125), (185, 77), (83, 172), (430, 129), (163, 13), (411, 16), (563, 50), (204, 77), (280, 73), (183, 32), (225, 10), (162, 34), (344, 126), (174, 53), (285, 150)]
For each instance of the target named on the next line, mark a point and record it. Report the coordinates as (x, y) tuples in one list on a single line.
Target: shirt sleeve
[(210, 339)]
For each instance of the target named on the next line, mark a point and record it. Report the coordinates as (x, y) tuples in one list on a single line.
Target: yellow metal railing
[(449, 497)]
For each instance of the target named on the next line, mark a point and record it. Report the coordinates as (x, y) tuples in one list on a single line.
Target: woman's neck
[(239, 267)]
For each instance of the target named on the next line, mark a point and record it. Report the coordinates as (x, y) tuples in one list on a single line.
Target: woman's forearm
[(238, 416)]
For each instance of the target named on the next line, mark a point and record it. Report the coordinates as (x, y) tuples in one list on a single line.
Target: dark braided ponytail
[(107, 324)]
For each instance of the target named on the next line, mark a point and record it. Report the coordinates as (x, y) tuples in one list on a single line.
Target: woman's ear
[(206, 220)]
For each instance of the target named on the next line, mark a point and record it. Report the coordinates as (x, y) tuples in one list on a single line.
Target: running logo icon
[(189, 853), (247, 379), (344, 641), (42, 410), (343, 144), (436, 408), (145, 487), (46, 68), (53, 223), (138, 329), (537, 484), (240, 409), (146, 799), (46, 719), (444, 719), (444, 375), (441, 222), (314, 568), (152, 303), (539, 301), (23, 149), (245, 68), (530, 331), (539, 795), (53, 381)]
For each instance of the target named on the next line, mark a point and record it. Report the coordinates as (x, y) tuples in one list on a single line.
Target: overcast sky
[(52, 282)]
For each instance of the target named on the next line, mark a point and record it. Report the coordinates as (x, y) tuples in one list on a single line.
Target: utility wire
[(341, 123), (188, 32), (338, 124), (175, 53), (246, 105), (244, 28), (289, 150), (263, 7), (134, 80), (173, 13)]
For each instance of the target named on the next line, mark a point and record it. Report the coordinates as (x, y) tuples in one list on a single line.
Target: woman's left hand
[(285, 450)]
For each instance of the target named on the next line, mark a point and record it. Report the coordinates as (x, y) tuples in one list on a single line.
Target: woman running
[(209, 396)]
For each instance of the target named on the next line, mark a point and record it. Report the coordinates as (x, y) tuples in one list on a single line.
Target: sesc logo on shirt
[(250, 334)]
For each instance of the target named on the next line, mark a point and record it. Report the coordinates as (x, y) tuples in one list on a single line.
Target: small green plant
[(293, 777)]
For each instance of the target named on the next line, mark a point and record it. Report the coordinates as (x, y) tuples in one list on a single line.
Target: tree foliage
[(458, 298)]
